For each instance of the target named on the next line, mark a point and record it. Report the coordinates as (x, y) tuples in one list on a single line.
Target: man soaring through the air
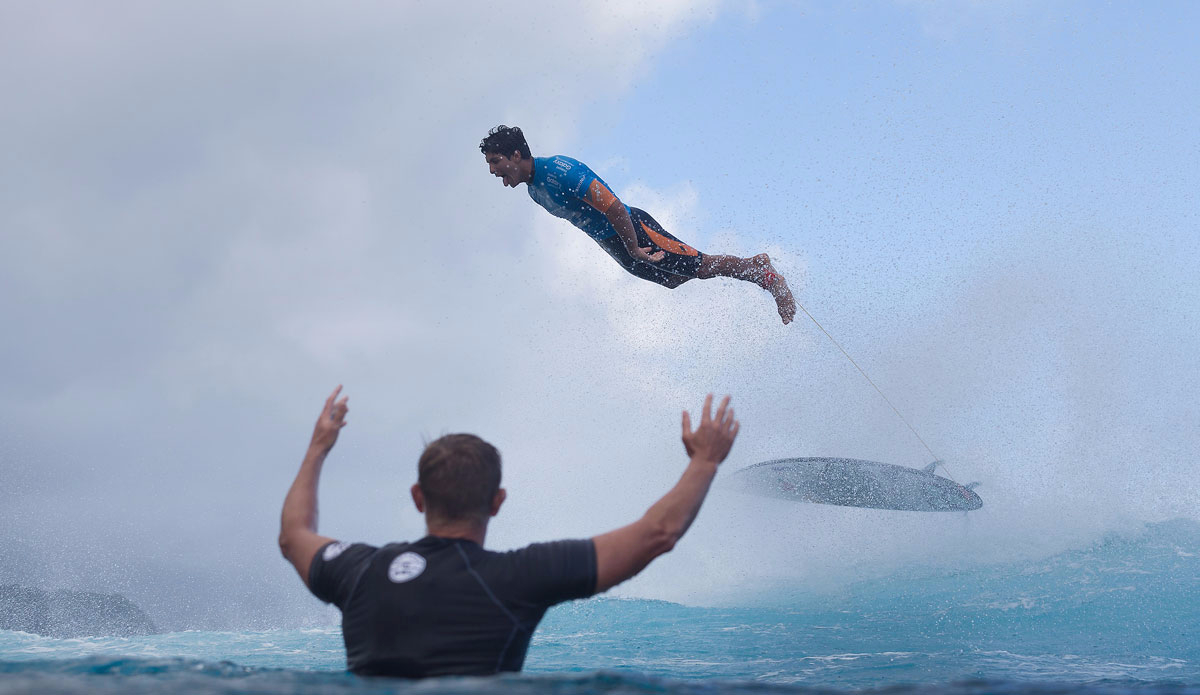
[(569, 189)]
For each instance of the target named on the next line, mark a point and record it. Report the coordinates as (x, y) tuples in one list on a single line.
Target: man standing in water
[(443, 605), (569, 189)]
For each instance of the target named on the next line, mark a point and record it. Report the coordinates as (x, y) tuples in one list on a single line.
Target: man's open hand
[(713, 439), (647, 254), (332, 420)]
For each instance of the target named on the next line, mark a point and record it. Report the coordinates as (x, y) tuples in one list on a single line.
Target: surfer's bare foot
[(774, 283)]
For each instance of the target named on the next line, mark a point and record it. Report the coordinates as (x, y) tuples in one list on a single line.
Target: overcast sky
[(213, 213)]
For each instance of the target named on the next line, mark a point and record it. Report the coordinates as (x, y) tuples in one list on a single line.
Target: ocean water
[(1122, 615)]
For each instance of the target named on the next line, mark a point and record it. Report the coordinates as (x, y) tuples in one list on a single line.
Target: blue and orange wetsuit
[(567, 188)]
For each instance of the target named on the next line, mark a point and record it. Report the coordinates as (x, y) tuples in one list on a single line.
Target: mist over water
[(1117, 615), (994, 379), (182, 289)]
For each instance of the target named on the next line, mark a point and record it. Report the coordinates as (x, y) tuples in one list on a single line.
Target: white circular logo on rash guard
[(333, 550), (406, 567)]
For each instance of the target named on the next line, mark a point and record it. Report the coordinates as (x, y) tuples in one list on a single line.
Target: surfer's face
[(508, 171)]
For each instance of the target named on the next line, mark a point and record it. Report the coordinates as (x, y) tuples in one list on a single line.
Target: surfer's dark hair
[(503, 140), (459, 475)]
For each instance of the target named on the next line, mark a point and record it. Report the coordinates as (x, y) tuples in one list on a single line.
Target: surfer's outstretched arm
[(618, 217), (622, 553), (298, 537)]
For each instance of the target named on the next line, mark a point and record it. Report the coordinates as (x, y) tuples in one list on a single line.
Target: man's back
[(443, 606), (446, 606), (567, 188)]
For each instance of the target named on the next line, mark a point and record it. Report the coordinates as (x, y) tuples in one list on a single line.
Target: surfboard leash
[(877, 389)]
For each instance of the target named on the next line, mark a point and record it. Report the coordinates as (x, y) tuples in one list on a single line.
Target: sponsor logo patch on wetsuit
[(405, 567), (333, 550)]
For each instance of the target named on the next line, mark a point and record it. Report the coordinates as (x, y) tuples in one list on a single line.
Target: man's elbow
[(286, 542), (662, 540), (292, 530)]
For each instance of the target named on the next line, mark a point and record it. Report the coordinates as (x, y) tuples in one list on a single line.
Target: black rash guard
[(446, 606)]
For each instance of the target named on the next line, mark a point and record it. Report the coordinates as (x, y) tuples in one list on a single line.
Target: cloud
[(223, 210), (258, 176)]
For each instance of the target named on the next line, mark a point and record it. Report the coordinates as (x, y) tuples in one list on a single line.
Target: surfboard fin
[(933, 466), (971, 486)]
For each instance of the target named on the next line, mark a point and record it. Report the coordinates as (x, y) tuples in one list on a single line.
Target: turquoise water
[(1120, 616)]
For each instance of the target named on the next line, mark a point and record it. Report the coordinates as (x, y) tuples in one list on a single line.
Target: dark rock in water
[(66, 614)]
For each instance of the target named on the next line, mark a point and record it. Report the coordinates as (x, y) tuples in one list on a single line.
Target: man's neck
[(474, 531)]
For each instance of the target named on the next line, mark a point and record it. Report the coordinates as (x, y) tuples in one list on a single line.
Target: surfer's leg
[(756, 269), (683, 262)]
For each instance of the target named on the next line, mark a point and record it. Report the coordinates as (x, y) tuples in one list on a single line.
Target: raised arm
[(298, 538), (622, 553)]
